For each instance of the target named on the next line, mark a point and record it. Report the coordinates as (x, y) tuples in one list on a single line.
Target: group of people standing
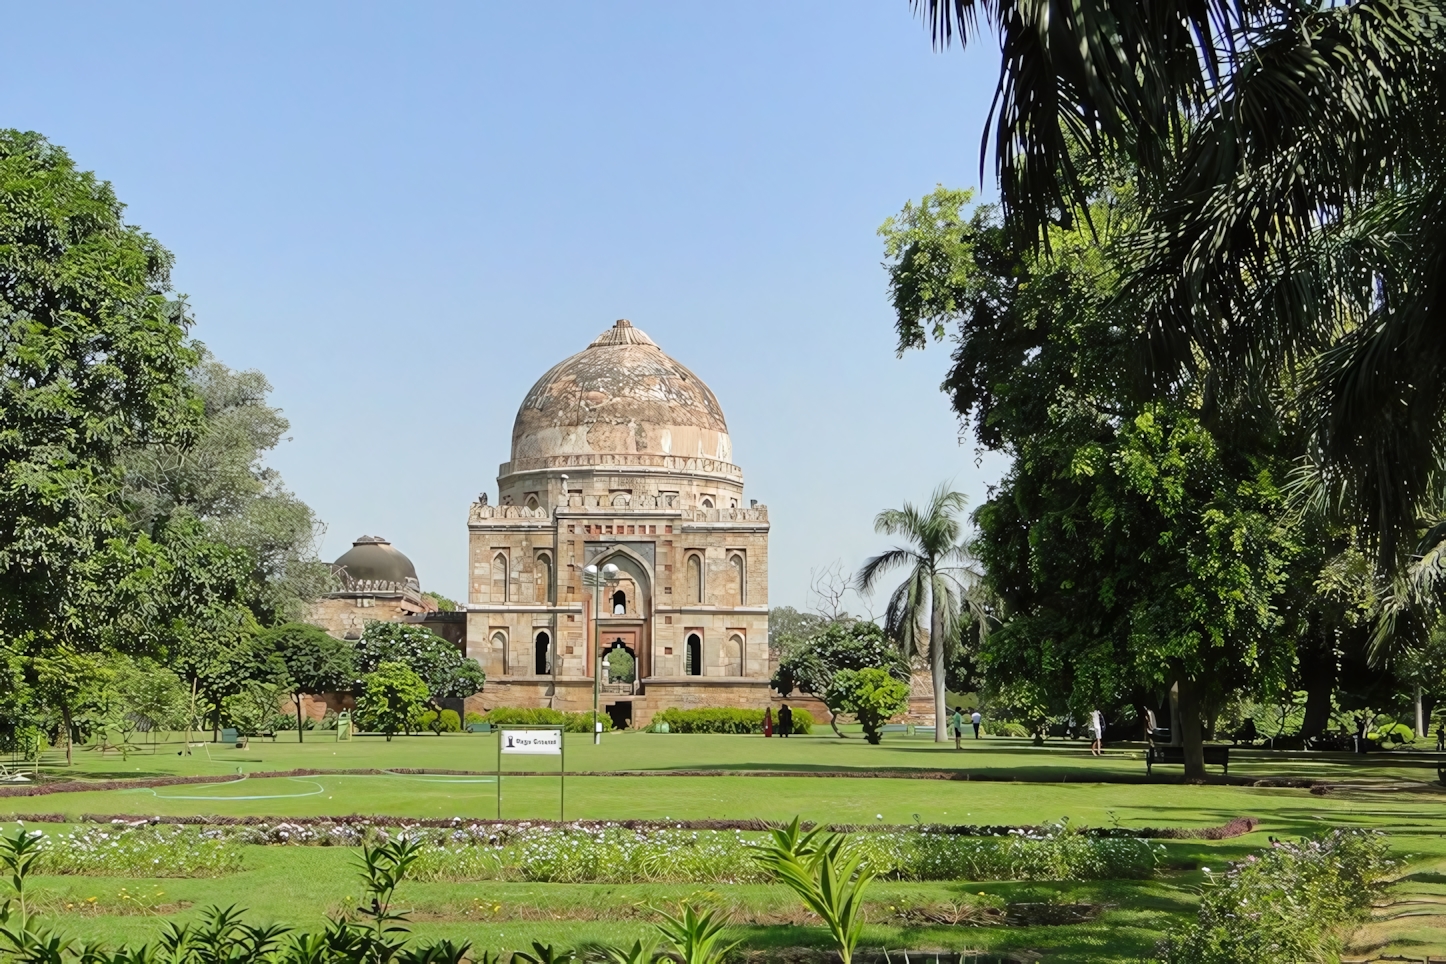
[(785, 720)]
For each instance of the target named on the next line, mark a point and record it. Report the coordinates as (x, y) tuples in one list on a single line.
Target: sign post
[(533, 741)]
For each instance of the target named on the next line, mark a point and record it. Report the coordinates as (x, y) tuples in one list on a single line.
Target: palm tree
[(1289, 164), (936, 589)]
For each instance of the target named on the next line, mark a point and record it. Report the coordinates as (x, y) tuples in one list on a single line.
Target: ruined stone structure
[(620, 456)]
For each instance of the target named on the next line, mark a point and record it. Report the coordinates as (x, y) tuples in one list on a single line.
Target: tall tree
[(1129, 548), (1289, 160), (924, 612), (315, 662), (219, 477), (93, 361)]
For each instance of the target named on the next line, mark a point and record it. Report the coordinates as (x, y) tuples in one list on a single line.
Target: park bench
[(1166, 755), (905, 728), (479, 727)]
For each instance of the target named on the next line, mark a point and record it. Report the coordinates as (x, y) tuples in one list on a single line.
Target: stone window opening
[(695, 578), (542, 655), (707, 502), (544, 578), (501, 589), (620, 603), (499, 643), (693, 659), (532, 502), (737, 576), (733, 655)]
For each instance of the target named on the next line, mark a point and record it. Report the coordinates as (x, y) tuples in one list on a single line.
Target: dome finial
[(623, 323)]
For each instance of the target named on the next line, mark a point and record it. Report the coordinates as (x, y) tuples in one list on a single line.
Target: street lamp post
[(597, 578)]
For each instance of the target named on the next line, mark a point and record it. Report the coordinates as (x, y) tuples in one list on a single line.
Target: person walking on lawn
[(977, 719), (785, 720), (957, 722), (1097, 732)]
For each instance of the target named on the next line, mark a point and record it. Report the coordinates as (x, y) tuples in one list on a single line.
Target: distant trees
[(314, 662), (810, 663), (447, 673)]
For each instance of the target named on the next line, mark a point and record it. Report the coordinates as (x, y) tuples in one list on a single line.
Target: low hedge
[(542, 716), (724, 720)]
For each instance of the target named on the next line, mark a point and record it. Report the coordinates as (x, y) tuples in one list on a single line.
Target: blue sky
[(404, 214)]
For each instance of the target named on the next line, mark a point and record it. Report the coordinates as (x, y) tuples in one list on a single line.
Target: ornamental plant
[(873, 695), (1291, 902)]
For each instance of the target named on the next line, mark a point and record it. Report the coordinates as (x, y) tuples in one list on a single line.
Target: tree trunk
[(936, 666), (1190, 735), (1320, 685), (300, 737), (69, 731), (833, 722)]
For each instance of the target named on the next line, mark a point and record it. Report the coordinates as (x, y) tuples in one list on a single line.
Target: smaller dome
[(371, 564)]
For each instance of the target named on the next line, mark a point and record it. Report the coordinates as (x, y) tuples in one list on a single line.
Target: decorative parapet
[(670, 463), (757, 513), (481, 512)]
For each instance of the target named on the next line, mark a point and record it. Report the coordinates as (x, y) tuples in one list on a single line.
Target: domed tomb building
[(376, 582), (621, 457)]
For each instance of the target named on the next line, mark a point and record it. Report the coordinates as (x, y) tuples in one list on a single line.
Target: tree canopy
[(447, 673)]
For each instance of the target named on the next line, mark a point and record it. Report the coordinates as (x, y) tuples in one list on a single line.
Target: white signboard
[(545, 742)]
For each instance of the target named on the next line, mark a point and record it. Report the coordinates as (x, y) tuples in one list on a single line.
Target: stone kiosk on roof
[(621, 456)]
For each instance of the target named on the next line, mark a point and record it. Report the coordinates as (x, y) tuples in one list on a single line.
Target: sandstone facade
[(620, 458)]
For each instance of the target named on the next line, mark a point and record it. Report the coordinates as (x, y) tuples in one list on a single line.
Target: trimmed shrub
[(724, 720), (474, 717), (542, 716), (444, 722), (1008, 729)]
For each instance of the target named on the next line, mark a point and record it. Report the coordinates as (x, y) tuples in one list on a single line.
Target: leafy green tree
[(1289, 165), (447, 673), (809, 664), (218, 477), (315, 662), (151, 695), (925, 612), (1130, 548), (252, 709), (873, 695), (392, 698), (92, 362)]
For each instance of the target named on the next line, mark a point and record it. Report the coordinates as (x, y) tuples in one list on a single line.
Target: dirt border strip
[(1237, 827)]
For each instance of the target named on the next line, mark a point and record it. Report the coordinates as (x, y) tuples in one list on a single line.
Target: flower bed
[(610, 853), (140, 851)]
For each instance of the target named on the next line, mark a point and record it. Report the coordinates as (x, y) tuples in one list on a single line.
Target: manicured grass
[(990, 758), (1009, 782), (1282, 810)]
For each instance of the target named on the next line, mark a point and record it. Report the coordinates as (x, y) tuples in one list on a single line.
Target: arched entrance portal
[(694, 664), (542, 655), (621, 663)]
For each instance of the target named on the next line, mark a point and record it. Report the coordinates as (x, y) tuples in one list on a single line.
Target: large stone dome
[(620, 396), (372, 564)]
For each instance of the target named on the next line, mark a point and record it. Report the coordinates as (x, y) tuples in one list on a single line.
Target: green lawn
[(1009, 782)]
